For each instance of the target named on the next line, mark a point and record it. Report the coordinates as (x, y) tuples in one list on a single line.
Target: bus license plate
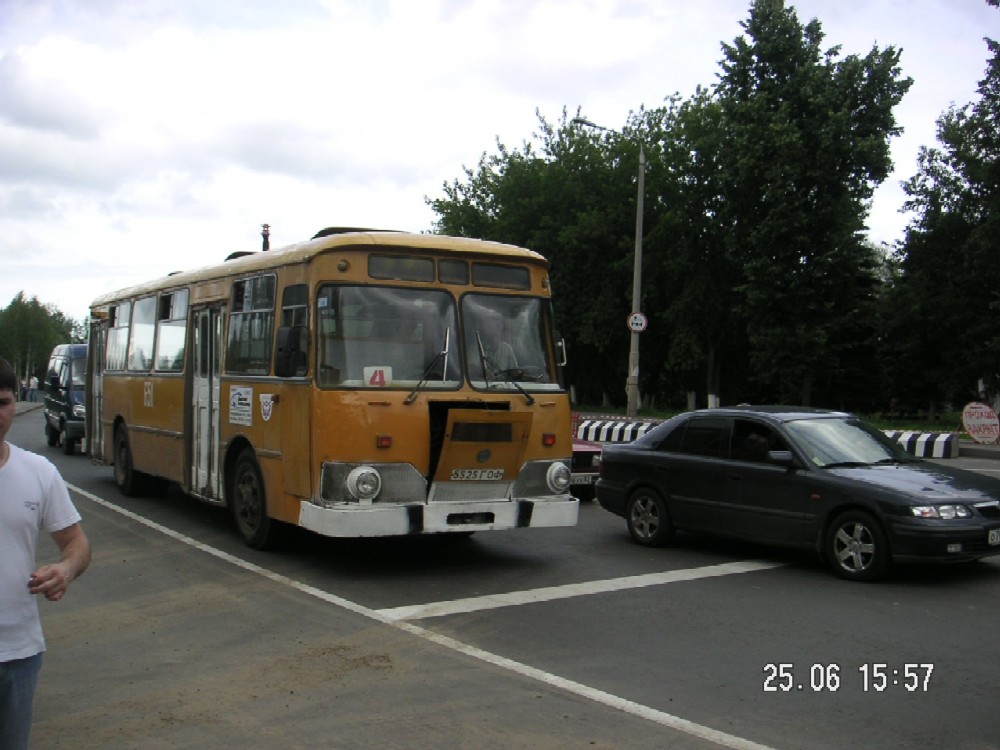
[(994, 536), (476, 475)]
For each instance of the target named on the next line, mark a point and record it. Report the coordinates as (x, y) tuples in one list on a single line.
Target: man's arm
[(53, 580)]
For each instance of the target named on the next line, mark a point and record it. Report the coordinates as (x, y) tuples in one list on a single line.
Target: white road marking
[(551, 593), (584, 691)]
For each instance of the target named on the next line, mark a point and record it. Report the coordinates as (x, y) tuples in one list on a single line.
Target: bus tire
[(130, 482), (248, 502)]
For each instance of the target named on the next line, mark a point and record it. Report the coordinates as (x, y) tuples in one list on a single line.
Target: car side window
[(752, 441), (705, 437)]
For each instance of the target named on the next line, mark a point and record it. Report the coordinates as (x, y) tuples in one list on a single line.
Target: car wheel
[(130, 482), (249, 503), (856, 547), (648, 519), (51, 434)]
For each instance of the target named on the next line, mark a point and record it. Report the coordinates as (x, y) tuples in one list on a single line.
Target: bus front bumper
[(438, 518)]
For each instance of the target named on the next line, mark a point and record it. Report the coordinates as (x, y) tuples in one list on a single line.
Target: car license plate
[(994, 537), (582, 479), (476, 475)]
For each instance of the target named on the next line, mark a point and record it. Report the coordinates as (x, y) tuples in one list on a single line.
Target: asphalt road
[(181, 637)]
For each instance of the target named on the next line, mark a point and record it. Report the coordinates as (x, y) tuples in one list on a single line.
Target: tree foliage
[(946, 299), (29, 330), (757, 278)]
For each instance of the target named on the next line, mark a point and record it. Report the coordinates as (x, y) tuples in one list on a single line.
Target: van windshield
[(79, 372)]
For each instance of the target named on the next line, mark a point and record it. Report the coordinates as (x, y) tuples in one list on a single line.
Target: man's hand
[(50, 580), (53, 580)]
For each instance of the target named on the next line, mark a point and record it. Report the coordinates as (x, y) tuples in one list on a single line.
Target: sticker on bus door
[(241, 405)]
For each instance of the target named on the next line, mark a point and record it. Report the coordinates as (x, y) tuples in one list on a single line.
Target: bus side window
[(292, 355)]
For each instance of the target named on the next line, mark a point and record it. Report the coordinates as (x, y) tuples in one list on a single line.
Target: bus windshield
[(378, 337), (505, 342)]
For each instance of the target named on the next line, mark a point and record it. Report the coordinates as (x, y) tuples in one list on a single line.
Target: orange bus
[(362, 383)]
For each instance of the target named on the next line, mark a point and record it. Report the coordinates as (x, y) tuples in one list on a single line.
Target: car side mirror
[(782, 458)]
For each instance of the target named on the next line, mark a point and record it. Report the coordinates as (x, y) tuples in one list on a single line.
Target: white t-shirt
[(33, 498)]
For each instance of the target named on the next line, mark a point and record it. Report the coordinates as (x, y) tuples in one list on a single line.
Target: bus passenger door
[(94, 431), (206, 478)]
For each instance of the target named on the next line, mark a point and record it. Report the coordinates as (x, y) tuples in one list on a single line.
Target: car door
[(764, 500), (689, 466)]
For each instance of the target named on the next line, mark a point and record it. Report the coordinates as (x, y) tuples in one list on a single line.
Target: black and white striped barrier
[(920, 444), (611, 430), (927, 444)]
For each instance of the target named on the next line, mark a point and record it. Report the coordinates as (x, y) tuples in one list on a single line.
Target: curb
[(23, 407)]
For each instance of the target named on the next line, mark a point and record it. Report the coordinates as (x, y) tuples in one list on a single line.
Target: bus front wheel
[(249, 503)]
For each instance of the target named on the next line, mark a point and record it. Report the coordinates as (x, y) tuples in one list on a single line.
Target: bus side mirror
[(561, 349), (293, 352)]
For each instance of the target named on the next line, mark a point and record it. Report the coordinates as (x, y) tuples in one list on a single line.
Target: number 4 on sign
[(378, 377)]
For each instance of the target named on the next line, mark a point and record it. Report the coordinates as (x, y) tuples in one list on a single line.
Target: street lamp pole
[(632, 381), (632, 378)]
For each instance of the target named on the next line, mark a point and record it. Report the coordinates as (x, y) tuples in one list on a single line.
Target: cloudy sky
[(140, 137)]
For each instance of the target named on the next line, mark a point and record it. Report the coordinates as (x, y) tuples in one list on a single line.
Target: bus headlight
[(364, 483), (558, 478)]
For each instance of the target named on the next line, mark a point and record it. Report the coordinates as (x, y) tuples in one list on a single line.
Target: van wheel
[(130, 482), (51, 436), (249, 503), (68, 446)]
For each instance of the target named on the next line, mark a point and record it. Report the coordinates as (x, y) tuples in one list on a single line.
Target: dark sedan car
[(804, 478)]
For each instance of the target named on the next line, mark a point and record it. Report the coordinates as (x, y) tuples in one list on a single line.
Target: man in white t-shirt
[(33, 498)]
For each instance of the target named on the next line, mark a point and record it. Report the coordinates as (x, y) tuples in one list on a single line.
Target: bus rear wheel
[(248, 502), (130, 482)]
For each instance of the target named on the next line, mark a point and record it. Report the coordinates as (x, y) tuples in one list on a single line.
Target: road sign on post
[(637, 322)]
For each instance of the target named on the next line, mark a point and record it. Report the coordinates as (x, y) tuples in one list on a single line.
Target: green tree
[(28, 332), (947, 297), (757, 278), (805, 142)]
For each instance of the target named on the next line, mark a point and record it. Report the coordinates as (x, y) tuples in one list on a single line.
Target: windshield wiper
[(488, 364), (441, 355), (845, 464)]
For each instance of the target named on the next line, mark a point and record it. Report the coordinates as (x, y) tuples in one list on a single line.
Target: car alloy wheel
[(648, 519), (857, 548)]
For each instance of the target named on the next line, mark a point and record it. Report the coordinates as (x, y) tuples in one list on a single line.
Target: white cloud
[(141, 138)]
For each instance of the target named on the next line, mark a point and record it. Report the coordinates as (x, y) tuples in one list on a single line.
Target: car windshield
[(844, 442)]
